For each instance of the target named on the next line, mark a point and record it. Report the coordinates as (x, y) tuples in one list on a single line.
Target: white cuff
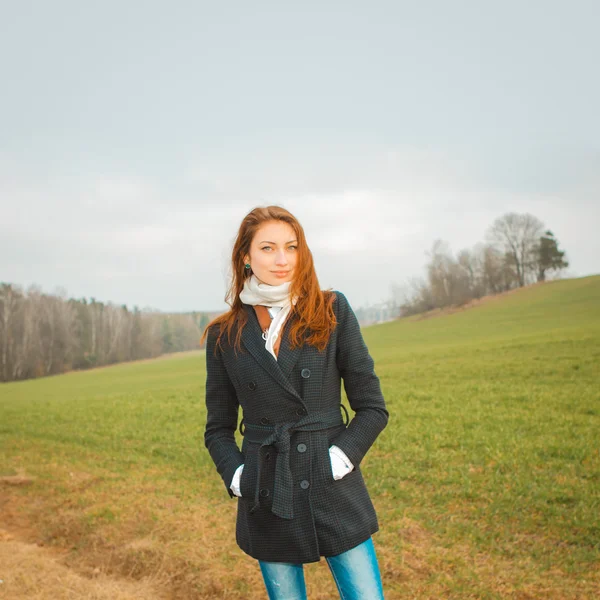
[(340, 463), (235, 482)]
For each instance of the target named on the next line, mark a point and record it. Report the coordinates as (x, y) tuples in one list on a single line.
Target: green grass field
[(486, 480)]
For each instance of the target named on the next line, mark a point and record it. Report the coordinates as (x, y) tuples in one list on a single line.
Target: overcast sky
[(136, 135)]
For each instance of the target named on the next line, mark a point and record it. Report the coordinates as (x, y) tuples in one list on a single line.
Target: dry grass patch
[(21, 478), (29, 572), (130, 536)]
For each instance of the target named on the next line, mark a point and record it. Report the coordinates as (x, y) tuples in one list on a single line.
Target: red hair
[(314, 307)]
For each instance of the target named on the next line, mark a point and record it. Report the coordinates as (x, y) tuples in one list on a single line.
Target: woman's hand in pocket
[(340, 463), (235, 482)]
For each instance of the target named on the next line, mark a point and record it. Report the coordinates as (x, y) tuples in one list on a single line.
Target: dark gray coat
[(329, 516)]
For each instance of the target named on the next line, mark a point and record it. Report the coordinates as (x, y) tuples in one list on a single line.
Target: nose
[(280, 258)]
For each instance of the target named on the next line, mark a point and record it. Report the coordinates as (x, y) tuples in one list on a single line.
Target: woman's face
[(273, 253)]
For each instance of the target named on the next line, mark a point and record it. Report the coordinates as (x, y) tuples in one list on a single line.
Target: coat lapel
[(280, 368)]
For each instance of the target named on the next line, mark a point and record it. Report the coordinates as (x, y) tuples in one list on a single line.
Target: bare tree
[(517, 235), (413, 297), (9, 307), (499, 274), (471, 262), (115, 324), (448, 281), (25, 351)]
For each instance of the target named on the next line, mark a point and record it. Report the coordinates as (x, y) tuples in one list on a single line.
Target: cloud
[(370, 215)]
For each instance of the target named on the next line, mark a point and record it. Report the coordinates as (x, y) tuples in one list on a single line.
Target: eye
[(293, 247), (266, 248)]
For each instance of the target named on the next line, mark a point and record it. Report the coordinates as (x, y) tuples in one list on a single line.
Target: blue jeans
[(356, 574)]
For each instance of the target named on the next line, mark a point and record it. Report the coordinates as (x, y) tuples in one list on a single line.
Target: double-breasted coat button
[(252, 385), (264, 421), (264, 492), (305, 373), (304, 484), (300, 411), (301, 447)]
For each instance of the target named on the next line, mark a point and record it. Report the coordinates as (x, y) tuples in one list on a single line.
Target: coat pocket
[(250, 475)]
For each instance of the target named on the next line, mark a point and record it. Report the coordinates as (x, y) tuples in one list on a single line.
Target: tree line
[(518, 251), (43, 334)]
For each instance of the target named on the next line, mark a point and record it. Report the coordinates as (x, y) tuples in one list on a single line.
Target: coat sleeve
[(361, 384), (221, 416)]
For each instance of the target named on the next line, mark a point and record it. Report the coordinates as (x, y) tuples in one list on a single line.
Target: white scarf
[(256, 292)]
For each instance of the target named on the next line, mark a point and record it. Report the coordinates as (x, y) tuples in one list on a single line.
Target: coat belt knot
[(280, 437)]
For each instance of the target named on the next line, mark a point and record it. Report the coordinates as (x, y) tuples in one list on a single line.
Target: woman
[(281, 353)]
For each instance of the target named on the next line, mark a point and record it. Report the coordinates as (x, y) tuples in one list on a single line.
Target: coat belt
[(279, 436)]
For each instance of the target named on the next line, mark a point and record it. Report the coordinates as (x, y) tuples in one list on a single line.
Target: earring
[(247, 266)]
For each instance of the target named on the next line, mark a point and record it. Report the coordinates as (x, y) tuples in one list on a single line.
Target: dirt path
[(30, 571)]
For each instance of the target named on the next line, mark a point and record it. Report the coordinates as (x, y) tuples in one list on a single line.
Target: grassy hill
[(486, 481)]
